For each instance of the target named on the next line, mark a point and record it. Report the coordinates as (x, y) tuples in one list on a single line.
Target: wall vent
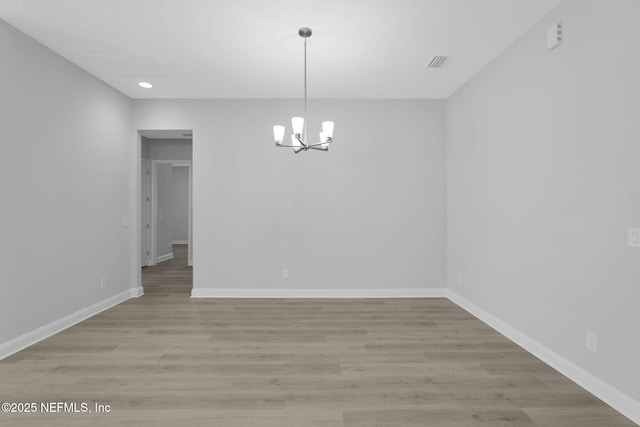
[(437, 61)]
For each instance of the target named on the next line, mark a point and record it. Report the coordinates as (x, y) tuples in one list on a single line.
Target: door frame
[(137, 289), (145, 212)]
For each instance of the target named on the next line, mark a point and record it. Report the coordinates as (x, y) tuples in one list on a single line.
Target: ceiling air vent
[(437, 61)]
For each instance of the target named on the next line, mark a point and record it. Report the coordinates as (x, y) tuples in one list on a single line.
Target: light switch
[(555, 35), (634, 237)]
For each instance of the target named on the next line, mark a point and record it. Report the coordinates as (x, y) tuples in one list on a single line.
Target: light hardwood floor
[(167, 359)]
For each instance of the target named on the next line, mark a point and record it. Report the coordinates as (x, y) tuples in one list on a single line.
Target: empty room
[(354, 213)]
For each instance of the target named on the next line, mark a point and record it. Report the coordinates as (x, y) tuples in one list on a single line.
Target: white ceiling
[(251, 48)]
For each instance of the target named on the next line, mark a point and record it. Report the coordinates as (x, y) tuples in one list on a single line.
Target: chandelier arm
[(319, 143), (314, 147), (302, 141)]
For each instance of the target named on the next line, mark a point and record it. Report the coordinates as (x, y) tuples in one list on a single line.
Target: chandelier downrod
[(299, 124), (306, 35)]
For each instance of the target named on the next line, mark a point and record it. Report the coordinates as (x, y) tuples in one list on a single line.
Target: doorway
[(165, 197)]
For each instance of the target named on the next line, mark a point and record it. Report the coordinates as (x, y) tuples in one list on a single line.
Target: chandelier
[(299, 124)]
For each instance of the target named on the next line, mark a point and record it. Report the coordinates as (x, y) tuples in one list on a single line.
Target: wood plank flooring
[(165, 359)]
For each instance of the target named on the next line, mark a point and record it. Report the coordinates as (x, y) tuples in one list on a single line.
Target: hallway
[(172, 277)]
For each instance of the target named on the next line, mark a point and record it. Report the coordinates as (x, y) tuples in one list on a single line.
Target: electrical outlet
[(103, 283), (285, 273), (592, 342), (460, 279)]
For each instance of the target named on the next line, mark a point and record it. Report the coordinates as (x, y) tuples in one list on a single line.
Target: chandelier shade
[(299, 140), (278, 134)]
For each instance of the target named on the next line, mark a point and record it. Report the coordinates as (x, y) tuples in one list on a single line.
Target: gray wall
[(180, 204), (67, 144), (543, 178), (370, 213)]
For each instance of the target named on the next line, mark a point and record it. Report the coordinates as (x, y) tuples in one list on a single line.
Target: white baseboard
[(179, 242), (164, 257), (15, 345), (621, 402), (317, 293)]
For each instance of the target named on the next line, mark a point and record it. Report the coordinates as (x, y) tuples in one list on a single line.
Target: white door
[(145, 217)]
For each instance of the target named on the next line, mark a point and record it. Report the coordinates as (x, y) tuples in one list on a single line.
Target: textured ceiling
[(251, 49)]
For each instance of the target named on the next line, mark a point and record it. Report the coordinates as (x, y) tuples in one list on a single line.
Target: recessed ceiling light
[(145, 85)]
